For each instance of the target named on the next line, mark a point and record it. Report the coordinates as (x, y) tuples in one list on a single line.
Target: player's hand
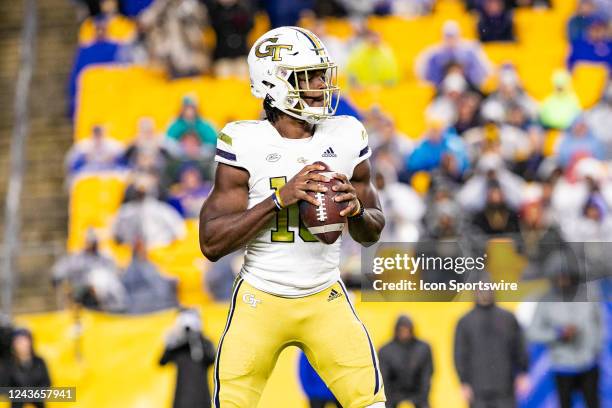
[(522, 385), (466, 390), (306, 180), (348, 194)]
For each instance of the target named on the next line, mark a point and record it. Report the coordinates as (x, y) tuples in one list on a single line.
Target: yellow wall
[(119, 368)]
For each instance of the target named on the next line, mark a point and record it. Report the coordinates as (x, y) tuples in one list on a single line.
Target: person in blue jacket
[(438, 144)]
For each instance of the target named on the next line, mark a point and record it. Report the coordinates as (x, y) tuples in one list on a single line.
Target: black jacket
[(232, 25), (406, 368), (32, 374), (490, 351), (191, 380)]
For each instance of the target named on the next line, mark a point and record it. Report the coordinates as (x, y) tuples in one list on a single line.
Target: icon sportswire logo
[(329, 153)]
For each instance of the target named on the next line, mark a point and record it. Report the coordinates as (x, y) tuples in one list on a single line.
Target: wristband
[(276, 202), (358, 213), (277, 195)]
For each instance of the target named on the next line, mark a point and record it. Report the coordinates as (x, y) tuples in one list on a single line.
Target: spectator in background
[(560, 109), (189, 194), (96, 153), (193, 354), (510, 142), (372, 63), (411, 8), (468, 113), (495, 22), (578, 24), (146, 153), (220, 276), (598, 119), (490, 169), (99, 51), (385, 138), (147, 218), (359, 9), (406, 366), (319, 396), (120, 28), (540, 237), (432, 64), (285, 13), (572, 331), (26, 368), (147, 290), (604, 8), (496, 218), (232, 20), (594, 223), (578, 140), (490, 355), (92, 279), (189, 119), (595, 47), (132, 8), (173, 31), (439, 145), (570, 193), (510, 93), (190, 152), (446, 105)]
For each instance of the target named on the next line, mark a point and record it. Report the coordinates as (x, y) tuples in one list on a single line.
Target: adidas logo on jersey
[(329, 153), (334, 294)]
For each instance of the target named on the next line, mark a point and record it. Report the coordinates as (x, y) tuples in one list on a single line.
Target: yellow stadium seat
[(500, 53), (589, 82), (118, 29), (405, 104), (537, 27), (420, 182), (93, 202), (551, 138), (261, 25), (184, 261), (140, 91)]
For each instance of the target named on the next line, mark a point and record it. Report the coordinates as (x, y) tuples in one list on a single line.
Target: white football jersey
[(285, 259)]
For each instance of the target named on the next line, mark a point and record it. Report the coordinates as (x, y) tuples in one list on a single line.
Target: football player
[(289, 290)]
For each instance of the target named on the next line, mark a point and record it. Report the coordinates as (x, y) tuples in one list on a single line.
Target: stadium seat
[(119, 29), (184, 261), (145, 92), (94, 199), (405, 103), (589, 82)]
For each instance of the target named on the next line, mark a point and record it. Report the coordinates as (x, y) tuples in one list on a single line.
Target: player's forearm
[(366, 229), (222, 235)]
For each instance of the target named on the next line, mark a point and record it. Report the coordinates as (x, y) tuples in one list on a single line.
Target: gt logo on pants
[(250, 299)]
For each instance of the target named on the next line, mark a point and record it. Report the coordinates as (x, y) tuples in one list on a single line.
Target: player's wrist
[(358, 211), (278, 202)]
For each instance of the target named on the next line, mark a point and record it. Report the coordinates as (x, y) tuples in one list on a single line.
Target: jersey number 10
[(284, 217)]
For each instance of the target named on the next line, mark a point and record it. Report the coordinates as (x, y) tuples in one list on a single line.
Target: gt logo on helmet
[(271, 50)]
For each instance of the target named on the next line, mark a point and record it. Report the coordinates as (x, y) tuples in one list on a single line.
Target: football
[(324, 221)]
